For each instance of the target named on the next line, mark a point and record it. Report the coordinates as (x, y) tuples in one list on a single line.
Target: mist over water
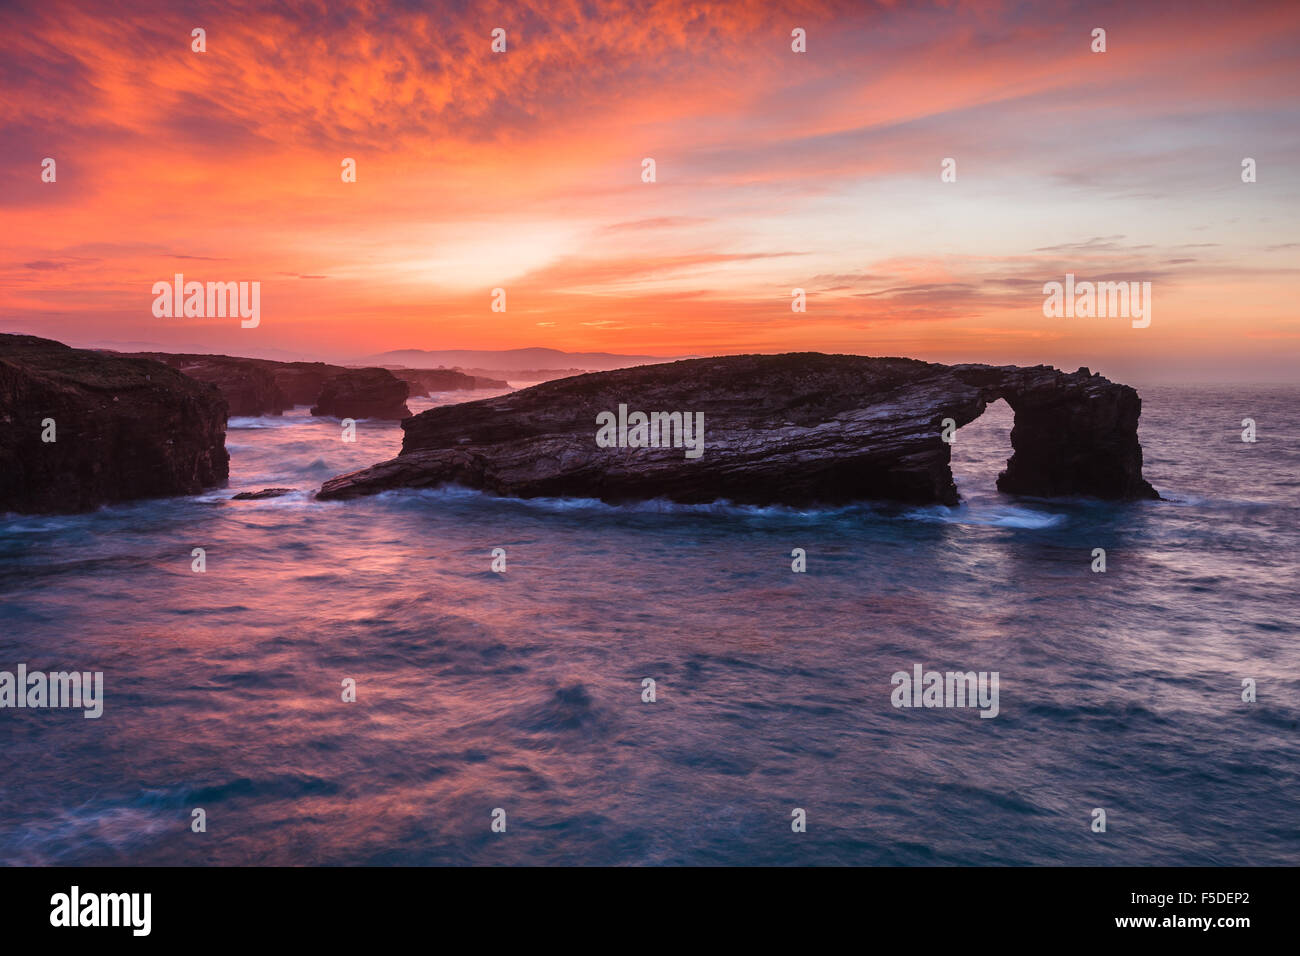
[(523, 690)]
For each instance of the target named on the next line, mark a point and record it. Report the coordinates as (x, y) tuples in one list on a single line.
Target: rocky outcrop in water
[(122, 428), (262, 495), (363, 393), (798, 429)]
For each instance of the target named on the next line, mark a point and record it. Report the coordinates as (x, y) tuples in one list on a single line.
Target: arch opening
[(980, 452)]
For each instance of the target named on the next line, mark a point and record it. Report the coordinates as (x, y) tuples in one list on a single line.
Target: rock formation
[(363, 393), (123, 428), (799, 429), (1073, 434)]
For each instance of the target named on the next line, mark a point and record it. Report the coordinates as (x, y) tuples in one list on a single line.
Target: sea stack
[(364, 393)]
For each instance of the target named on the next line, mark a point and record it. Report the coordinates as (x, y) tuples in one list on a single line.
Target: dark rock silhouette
[(799, 429), (363, 393), (124, 428)]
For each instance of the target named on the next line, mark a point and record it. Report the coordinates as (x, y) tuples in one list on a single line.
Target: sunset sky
[(775, 170)]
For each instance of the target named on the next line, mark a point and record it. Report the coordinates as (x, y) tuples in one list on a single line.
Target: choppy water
[(522, 690)]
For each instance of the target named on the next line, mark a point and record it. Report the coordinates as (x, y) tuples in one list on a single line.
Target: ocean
[(518, 696)]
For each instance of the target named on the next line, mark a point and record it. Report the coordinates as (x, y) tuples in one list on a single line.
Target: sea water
[(524, 691)]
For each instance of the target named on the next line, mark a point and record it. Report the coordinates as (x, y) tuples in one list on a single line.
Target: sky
[(775, 170)]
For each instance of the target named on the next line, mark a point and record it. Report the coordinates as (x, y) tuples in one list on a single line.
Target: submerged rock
[(263, 494), (363, 393), (799, 429), (122, 428)]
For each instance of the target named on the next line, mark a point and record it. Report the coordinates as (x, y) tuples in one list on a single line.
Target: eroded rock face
[(124, 428), (363, 393), (799, 429)]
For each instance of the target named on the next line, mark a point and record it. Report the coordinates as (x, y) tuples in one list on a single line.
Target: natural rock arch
[(801, 429), (1073, 433)]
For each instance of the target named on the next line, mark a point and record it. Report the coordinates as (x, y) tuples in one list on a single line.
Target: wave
[(113, 825), (1004, 516), (649, 506), (246, 423), (998, 516), (1223, 504)]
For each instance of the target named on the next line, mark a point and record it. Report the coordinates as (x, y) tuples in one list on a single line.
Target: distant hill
[(512, 360)]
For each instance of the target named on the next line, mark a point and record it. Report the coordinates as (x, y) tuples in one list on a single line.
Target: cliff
[(123, 428)]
